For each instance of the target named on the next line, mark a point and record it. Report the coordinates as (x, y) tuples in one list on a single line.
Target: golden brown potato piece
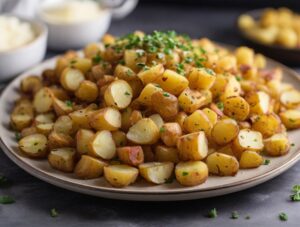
[(87, 91), (135, 59), (136, 86), (151, 74), (81, 117), (34, 146), (156, 172), (180, 118), (135, 116), (224, 131), (42, 101), (166, 154), (64, 124), (198, 121), (201, 78), (157, 120), (22, 115), (71, 78), (82, 64), (191, 173), (190, 100), (105, 119), (290, 119), (61, 107), (222, 164), (45, 128), (211, 115), (125, 73), (83, 138), (192, 147), (62, 159), (290, 98), (172, 82), (236, 107), (144, 131), (91, 50), (259, 102), (102, 145), (57, 140), (89, 167), (267, 124), (247, 140), (120, 138), (31, 84), (44, 118), (131, 155), (120, 175), (28, 131), (145, 97), (170, 132), (165, 104), (118, 94), (277, 145), (250, 159)]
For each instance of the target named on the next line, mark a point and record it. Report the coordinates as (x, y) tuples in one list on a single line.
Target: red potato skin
[(131, 155)]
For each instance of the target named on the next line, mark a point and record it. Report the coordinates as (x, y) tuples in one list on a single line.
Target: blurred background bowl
[(15, 61), (288, 56)]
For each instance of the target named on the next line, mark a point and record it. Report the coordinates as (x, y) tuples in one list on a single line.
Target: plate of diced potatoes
[(153, 117)]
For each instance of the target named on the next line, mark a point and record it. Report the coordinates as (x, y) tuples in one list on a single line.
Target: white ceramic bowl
[(15, 61), (64, 36)]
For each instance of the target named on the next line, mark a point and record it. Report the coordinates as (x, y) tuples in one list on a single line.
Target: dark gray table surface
[(34, 198)]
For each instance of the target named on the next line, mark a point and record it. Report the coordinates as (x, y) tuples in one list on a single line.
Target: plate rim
[(48, 177)]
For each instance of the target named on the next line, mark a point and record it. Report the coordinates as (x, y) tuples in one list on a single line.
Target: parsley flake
[(162, 129), (5, 199), (283, 216), (213, 213), (53, 213), (220, 105), (234, 215), (69, 103), (296, 196), (166, 94), (185, 173), (18, 136), (97, 59), (126, 93), (267, 161)]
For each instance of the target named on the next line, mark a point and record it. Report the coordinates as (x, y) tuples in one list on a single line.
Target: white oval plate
[(141, 190)]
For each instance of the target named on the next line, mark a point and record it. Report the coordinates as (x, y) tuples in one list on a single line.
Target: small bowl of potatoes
[(155, 107), (274, 32)]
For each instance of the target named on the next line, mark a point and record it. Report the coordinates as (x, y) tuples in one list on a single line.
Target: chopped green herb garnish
[(180, 69), (122, 62), (267, 161), (296, 196), (126, 93), (247, 217), (5, 199), (188, 59), (69, 103), (73, 62), (140, 53), (18, 136), (220, 105), (283, 216), (292, 144), (162, 129), (166, 94), (160, 55), (209, 71), (234, 215), (185, 173), (238, 78), (213, 213), (53, 213), (202, 50), (97, 59), (129, 72)]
